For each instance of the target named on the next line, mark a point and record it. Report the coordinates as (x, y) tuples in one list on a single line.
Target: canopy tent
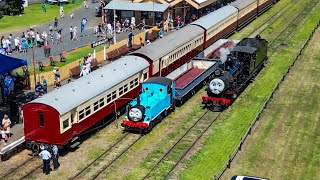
[(129, 6), (8, 63)]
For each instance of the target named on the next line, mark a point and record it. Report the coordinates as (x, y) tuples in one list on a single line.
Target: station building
[(155, 10)]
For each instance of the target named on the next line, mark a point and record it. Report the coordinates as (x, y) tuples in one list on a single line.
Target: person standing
[(57, 77), (50, 29), (44, 84), (71, 32), (14, 109), (61, 12), (55, 152), (55, 22), (17, 43), (75, 32), (130, 35), (6, 125), (45, 155), (44, 8)]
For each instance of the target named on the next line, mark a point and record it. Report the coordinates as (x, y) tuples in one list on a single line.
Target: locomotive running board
[(207, 59)]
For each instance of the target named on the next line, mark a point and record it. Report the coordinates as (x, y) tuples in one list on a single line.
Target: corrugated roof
[(170, 42), (84, 89), (215, 17), (129, 6), (240, 4)]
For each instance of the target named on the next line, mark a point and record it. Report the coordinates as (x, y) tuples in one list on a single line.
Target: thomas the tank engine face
[(216, 86), (135, 114)]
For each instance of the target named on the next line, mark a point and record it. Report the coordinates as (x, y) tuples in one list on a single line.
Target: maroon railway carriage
[(61, 116), (247, 11), (264, 5)]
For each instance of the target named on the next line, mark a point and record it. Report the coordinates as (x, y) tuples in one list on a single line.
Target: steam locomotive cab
[(230, 79)]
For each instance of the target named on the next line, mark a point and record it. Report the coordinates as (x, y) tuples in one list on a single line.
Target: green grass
[(70, 57), (33, 15), (293, 118), (226, 135)]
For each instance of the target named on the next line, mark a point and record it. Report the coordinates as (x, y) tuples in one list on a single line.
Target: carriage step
[(74, 145)]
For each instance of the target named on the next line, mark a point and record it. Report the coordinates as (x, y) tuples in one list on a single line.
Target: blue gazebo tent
[(8, 63)]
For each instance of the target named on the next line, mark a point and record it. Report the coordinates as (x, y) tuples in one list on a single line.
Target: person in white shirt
[(32, 35), (75, 32), (45, 38), (61, 12), (84, 71), (9, 46), (109, 29), (88, 62), (45, 155), (17, 43)]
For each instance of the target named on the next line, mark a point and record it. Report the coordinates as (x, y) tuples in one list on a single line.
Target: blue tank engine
[(154, 103)]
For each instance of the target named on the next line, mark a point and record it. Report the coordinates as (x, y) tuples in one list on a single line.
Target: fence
[(65, 70), (264, 106)]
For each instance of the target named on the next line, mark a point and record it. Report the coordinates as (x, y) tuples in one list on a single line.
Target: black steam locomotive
[(245, 60)]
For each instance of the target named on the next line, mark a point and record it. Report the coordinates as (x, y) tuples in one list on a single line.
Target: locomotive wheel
[(165, 113), (35, 147)]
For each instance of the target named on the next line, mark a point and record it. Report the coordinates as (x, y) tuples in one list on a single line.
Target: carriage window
[(131, 84), (81, 114), (95, 106), (114, 94), (109, 98), (145, 76), (65, 123), (41, 119), (125, 88), (120, 91), (136, 82), (88, 110), (101, 102)]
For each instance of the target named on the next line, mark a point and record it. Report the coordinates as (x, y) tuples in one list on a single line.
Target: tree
[(13, 7)]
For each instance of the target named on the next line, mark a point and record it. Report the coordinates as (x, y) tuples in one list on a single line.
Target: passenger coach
[(175, 49), (62, 115)]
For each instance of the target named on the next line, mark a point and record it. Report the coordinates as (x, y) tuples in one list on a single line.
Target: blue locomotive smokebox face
[(216, 86), (135, 114)]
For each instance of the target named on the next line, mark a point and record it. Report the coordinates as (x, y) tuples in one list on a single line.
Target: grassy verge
[(70, 57), (33, 15), (261, 19), (219, 145), (288, 138)]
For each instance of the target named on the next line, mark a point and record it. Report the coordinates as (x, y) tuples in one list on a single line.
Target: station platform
[(14, 144)]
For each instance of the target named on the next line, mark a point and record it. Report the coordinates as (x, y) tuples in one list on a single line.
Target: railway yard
[(194, 143)]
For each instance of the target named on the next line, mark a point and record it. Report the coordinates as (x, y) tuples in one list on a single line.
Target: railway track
[(6, 176), (270, 20), (25, 169), (292, 26), (185, 142), (283, 35), (108, 161)]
